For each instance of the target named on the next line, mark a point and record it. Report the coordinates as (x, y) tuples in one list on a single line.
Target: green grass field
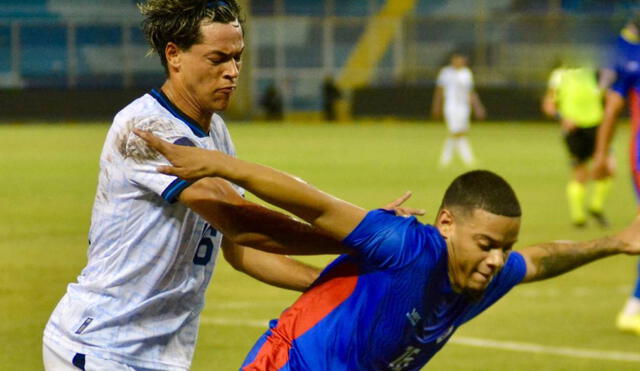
[(49, 176)]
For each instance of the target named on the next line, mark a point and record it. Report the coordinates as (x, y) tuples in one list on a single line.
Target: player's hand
[(480, 113), (189, 163), (400, 210), (599, 168), (631, 237)]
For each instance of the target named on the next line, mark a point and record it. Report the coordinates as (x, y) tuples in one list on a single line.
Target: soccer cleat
[(579, 225), (628, 323), (599, 218)]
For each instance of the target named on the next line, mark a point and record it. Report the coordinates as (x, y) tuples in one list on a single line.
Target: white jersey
[(457, 85), (150, 258)]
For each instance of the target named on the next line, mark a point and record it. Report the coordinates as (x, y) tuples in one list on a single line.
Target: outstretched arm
[(334, 216), (555, 258), (273, 269), (249, 224)]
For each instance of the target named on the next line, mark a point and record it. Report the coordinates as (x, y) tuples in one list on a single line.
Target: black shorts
[(581, 143)]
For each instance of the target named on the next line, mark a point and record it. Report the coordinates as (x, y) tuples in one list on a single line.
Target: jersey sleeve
[(623, 83), (510, 275), (555, 79), (387, 240), (141, 162)]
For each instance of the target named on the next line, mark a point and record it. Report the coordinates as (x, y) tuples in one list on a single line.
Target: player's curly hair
[(482, 189), (179, 21)]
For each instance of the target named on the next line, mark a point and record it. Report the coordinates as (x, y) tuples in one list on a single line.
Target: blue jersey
[(625, 62), (389, 306)]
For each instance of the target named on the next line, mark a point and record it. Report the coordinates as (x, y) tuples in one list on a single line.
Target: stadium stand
[(97, 44)]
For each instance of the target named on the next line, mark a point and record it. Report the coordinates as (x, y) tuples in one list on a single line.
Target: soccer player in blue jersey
[(624, 72), (404, 287)]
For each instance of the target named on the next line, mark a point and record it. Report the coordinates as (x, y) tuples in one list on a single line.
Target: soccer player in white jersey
[(455, 93), (151, 254)]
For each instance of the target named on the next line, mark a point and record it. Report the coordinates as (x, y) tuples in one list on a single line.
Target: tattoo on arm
[(555, 258)]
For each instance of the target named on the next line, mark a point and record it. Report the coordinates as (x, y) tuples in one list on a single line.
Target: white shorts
[(57, 358), (457, 120)]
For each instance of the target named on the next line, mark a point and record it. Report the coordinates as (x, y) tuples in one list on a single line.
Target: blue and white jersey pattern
[(150, 258)]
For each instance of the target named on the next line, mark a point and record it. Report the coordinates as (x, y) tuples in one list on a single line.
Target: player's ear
[(444, 222), (172, 53)]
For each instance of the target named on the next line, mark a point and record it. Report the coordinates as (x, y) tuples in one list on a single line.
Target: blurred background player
[(624, 71), (331, 94), (574, 98), (454, 91), (272, 103)]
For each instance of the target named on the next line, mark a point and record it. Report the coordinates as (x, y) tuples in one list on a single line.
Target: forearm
[(607, 77), (336, 217), (549, 104), (476, 103), (268, 230), (555, 258), (436, 104), (613, 105), (273, 269), (247, 223)]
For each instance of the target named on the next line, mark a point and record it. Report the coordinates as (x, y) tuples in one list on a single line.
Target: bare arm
[(273, 269), (436, 104), (614, 103), (332, 215), (555, 258), (607, 77), (549, 103), (249, 224), (477, 106)]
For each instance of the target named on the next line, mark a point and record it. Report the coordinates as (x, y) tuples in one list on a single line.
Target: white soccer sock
[(632, 307), (464, 148), (447, 151)]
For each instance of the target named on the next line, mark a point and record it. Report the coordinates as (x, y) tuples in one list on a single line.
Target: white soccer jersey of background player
[(150, 259), (457, 85)]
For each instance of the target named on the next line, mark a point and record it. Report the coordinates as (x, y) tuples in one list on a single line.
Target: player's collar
[(175, 111)]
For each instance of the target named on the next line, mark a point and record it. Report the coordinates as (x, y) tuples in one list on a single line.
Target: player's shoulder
[(446, 70), (146, 113)]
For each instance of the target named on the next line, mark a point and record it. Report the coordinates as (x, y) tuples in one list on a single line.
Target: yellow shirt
[(577, 95)]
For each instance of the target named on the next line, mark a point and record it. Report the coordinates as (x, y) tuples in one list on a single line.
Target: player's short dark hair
[(179, 21), (482, 189)]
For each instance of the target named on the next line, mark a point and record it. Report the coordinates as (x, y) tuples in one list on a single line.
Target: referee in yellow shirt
[(574, 98)]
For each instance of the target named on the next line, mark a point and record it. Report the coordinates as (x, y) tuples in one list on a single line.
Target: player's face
[(478, 244), (209, 70), (458, 61)]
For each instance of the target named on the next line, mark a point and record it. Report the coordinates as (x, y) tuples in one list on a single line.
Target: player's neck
[(185, 103), (451, 267), (630, 35)]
